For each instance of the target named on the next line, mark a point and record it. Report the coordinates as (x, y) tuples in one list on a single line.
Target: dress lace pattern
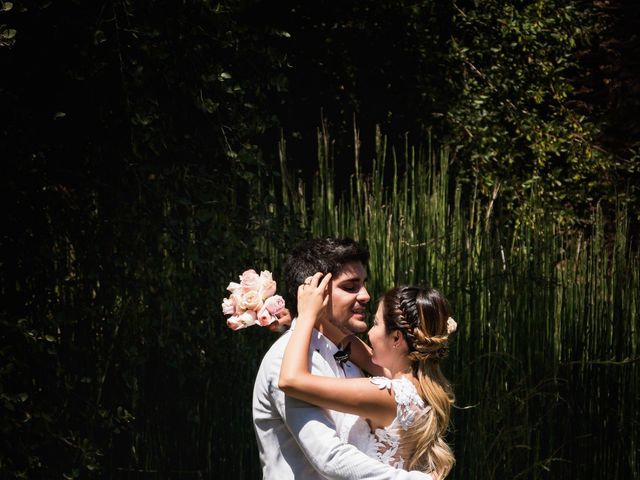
[(384, 443)]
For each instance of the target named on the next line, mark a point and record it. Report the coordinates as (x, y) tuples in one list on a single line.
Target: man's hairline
[(344, 266)]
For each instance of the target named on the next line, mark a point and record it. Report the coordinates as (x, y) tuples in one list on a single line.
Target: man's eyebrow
[(355, 278)]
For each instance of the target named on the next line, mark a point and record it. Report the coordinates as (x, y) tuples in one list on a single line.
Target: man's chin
[(351, 326), (357, 326)]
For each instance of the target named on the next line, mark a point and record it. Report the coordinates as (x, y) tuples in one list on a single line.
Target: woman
[(407, 404)]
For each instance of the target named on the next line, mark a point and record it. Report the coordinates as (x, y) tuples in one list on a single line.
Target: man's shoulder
[(273, 357), (278, 347), (274, 354), (269, 370)]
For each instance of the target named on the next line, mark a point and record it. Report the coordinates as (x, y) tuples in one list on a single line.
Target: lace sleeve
[(407, 399), (381, 382)]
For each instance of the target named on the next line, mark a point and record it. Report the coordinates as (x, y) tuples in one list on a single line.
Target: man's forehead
[(352, 271)]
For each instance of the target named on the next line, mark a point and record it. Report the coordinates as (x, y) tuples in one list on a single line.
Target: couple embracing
[(315, 413)]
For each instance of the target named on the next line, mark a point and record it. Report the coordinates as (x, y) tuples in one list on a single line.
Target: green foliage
[(513, 118), (130, 170), (504, 83), (117, 348)]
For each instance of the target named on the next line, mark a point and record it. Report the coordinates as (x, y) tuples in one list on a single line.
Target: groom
[(297, 440)]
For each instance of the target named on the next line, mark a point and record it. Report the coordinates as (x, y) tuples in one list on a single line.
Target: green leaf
[(8, 34)]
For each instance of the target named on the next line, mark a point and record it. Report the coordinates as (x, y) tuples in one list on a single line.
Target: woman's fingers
[(313, 280), (315, 285), (316, 278), (325, 281)]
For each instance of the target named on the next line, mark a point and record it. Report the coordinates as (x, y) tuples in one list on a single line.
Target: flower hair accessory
[(451, 326), (252, 301)]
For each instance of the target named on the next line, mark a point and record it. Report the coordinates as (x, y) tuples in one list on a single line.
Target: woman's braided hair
[(422, 316)]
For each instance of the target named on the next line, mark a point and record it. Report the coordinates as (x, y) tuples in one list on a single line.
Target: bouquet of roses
[(252, 301)]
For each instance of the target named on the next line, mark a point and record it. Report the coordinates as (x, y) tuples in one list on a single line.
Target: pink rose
[(248, 318), (228, 306), (274, 304), (234, 323), (236, 300), (243, 320), (249, 280), (265, 318), (232, 305), (266, 284), (233, 286)]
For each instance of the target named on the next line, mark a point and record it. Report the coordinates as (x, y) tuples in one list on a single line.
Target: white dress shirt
[(297, 440)]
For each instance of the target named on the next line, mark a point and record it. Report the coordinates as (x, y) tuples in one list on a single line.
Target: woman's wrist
[(306, 318)]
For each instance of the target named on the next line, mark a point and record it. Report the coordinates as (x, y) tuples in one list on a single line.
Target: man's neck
[(331, 332)]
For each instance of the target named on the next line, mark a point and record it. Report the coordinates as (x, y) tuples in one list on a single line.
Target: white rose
[(251, 301)]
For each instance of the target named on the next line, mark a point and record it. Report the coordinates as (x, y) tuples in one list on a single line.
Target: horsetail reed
[(545, 362)]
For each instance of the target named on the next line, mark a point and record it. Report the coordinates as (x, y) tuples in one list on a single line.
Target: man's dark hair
[(326, 255)]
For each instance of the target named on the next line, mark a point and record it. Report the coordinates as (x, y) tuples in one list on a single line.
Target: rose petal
[(265, 318), (234, 323)]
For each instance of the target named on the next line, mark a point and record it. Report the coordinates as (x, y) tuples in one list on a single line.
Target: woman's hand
[(313, 295)]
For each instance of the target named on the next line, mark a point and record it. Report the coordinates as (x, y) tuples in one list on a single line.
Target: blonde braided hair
[(423, 317)]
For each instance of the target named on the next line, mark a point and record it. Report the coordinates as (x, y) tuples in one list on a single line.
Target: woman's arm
[(351, 395)]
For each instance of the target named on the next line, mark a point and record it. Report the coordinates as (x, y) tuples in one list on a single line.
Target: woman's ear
[(399, 342)]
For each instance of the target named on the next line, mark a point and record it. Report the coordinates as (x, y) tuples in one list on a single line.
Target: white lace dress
[(385, 443)]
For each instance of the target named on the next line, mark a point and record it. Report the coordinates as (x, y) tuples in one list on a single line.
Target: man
[(297, 440)]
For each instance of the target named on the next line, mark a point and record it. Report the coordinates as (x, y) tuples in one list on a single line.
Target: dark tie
[(342, 356)]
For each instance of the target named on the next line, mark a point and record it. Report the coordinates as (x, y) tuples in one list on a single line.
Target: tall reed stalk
[(545, 361)]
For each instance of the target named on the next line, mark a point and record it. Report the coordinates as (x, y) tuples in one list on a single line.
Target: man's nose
[(363, 295)]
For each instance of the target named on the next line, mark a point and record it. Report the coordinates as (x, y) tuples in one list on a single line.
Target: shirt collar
[(319, 342)]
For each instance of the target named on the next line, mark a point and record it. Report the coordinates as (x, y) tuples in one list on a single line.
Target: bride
[(406, 404)]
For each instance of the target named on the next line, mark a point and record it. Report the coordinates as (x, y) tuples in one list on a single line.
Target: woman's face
[(381, 343)]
